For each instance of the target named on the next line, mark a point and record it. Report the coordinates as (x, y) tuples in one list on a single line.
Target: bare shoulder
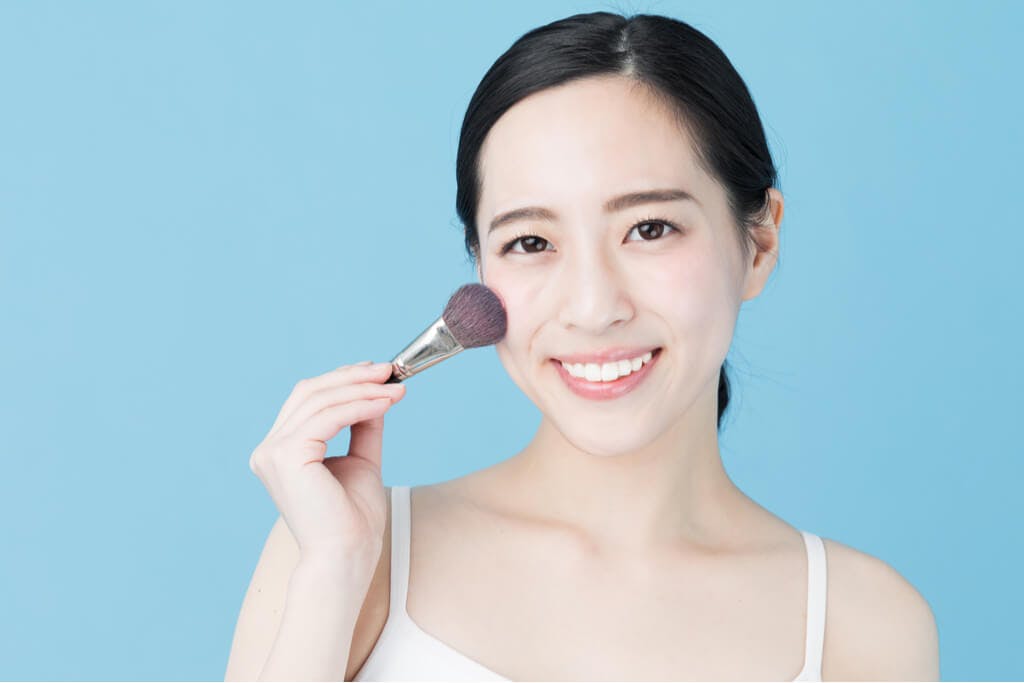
[(878, 626)]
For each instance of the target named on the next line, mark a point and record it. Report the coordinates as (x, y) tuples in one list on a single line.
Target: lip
[(607, 390)]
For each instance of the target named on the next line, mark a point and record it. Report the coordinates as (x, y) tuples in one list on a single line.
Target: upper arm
[(884, 628)]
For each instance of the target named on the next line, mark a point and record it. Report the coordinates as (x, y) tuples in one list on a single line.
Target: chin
[(607, 440)]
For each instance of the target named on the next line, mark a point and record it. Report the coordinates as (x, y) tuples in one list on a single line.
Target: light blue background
[(202, 203)]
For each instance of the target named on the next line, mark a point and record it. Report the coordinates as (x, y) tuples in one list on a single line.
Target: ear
[(762, 261)]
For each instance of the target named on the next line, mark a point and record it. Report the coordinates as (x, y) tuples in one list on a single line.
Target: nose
[(592, 291)]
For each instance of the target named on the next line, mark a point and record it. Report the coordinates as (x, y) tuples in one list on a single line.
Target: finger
[(331, 395), (364, 370), (367, 440), (346, 374), (326, 424)]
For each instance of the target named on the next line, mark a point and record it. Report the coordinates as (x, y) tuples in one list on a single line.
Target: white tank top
[(405, 652)]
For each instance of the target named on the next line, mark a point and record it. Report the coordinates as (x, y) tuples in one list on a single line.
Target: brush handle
[(432, 346)]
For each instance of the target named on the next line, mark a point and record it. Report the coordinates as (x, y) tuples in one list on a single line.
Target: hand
[(333, 506)]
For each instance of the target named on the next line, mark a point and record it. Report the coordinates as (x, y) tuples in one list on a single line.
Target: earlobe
[(763, 262)]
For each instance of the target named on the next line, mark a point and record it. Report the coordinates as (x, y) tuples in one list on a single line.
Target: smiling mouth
[(606, 389), (646, 356)]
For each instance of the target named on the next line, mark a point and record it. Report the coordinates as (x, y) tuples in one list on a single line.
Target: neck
[(673, 490)]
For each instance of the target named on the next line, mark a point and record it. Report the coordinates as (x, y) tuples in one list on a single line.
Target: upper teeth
[(606, 372)]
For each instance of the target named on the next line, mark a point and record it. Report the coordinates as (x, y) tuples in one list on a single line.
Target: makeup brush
[(473, 317)]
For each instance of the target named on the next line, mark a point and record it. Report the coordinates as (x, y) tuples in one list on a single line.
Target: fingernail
[(364, 362)]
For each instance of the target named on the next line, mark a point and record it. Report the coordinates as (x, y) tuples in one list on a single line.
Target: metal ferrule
[(434, 345)]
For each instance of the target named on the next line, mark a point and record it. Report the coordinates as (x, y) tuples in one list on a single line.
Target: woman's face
[(667, 274)]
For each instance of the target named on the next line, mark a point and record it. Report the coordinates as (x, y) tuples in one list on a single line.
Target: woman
[(618, 194)]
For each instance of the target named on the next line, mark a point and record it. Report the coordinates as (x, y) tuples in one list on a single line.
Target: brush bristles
[(475, 316)]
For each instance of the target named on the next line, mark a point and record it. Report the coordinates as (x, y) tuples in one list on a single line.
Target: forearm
[(315, 634)]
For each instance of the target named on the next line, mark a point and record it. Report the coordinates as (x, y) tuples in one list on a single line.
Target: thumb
[(367, 440)]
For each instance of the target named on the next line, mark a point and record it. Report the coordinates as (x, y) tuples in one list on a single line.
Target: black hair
[(674, 62)]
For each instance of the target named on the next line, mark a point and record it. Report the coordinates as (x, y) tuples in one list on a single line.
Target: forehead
[(582, 142)]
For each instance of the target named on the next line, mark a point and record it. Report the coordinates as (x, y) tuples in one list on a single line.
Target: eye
[(531, 240), (653, 229)]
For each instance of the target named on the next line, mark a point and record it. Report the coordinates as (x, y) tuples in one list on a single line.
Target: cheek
[(520, 296), (515, 292), (690, 288)]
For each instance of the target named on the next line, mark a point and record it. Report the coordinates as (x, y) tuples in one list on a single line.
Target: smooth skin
[(614, 545), (323, 548)]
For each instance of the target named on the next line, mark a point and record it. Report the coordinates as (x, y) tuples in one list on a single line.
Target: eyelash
[(507, 247)]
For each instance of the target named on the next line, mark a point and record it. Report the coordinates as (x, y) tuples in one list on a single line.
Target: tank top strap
[(400, 523), (817, 583)]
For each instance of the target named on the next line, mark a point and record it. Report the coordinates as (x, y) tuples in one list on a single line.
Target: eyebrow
[(612, 205)]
